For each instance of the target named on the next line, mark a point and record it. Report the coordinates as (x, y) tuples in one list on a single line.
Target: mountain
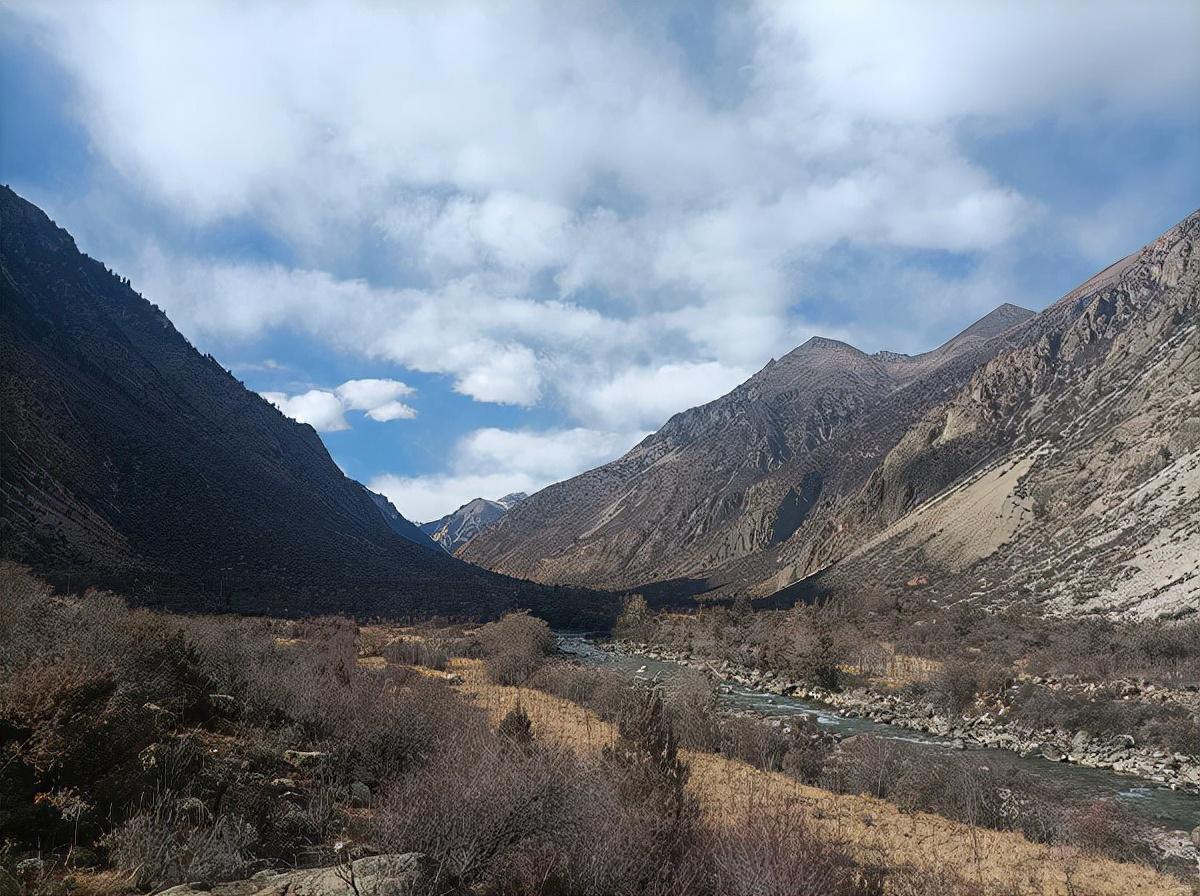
[(399, 524), (1066, 472), (737, 475), (1030, 455), (132, 461), (455, 529)]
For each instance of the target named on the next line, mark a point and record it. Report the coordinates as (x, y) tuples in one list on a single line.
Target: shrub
[(167, 845), (773, 852), (474, 805), (416, 652), (516, 727), (514, 647)]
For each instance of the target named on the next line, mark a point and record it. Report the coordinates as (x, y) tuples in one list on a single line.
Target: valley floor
[(876, 832)]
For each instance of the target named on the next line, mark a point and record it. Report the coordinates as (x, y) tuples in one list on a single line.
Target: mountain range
[(1050, 457), (132, 461), (455, 529)]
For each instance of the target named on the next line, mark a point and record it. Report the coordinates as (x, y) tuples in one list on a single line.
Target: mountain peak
[(998, 320)]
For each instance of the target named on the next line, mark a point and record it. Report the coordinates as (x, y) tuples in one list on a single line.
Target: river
[(1161, 806)]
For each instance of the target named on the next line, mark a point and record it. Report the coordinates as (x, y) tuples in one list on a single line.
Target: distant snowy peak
[(455, 529)]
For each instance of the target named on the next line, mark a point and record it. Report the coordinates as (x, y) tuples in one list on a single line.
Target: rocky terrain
[(987, 728), (1050, 456), (133, 462), (739, 475), (399, 875), (455, 529)]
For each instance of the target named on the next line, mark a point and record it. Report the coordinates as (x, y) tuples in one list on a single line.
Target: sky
[(482, 247)]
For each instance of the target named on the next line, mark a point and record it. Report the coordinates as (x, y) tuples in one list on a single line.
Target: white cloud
[(490, 462), (560, 210), (649, 395), (378, 398), (322, 410), (325, 410)]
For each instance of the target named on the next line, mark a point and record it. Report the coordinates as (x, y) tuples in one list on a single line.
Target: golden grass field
[(1003, 863)]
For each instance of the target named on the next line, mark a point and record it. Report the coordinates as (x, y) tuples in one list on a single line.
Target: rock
[(1080, 741), (302, 758), (284, 783), (1051, 752), (405, 874), (27, 868), (1196, 836), (958, 744)]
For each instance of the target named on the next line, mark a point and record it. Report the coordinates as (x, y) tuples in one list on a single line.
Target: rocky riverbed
[(1117, 752)]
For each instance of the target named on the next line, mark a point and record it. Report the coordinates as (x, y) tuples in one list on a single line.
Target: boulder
[(403, 874), (1052, 752), (302, 758)]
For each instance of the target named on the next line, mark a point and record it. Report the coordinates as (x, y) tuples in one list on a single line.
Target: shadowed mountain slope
[(131, 461)]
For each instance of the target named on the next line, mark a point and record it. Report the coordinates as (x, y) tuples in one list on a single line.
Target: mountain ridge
[(829, 467), (458, 527), (742, 440), (133, 462)]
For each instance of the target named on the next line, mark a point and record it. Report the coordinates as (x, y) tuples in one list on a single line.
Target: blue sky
[(484, 247)]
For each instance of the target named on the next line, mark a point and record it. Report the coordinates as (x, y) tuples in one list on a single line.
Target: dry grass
[(1000, 862)]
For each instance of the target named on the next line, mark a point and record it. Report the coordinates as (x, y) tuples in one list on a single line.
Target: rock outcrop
[(454, 530), (404, 874)]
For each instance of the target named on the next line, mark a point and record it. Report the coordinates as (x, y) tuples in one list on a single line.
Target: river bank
[(1115, 752)]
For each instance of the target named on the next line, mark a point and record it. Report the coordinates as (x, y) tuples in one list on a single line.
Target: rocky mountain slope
[(1086, 493), (1050, 456), (455, 529), (130, 460), (731, 478)]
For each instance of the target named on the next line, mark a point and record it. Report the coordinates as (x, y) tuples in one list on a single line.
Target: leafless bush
[(605, 693), (514, 647), (960, 681), (773, 852), (693, 710), (416, 652), (164, 845), (1107, 828), (864, 764), (516, 727), (473, 805)]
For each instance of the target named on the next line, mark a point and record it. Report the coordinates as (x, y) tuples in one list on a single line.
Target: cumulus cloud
[(562, 206), (324, 409), (491, 462), (321, 410)]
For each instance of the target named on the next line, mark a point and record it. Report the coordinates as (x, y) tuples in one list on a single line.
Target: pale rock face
[(407, 873), (455, 529), (1053, 457)]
